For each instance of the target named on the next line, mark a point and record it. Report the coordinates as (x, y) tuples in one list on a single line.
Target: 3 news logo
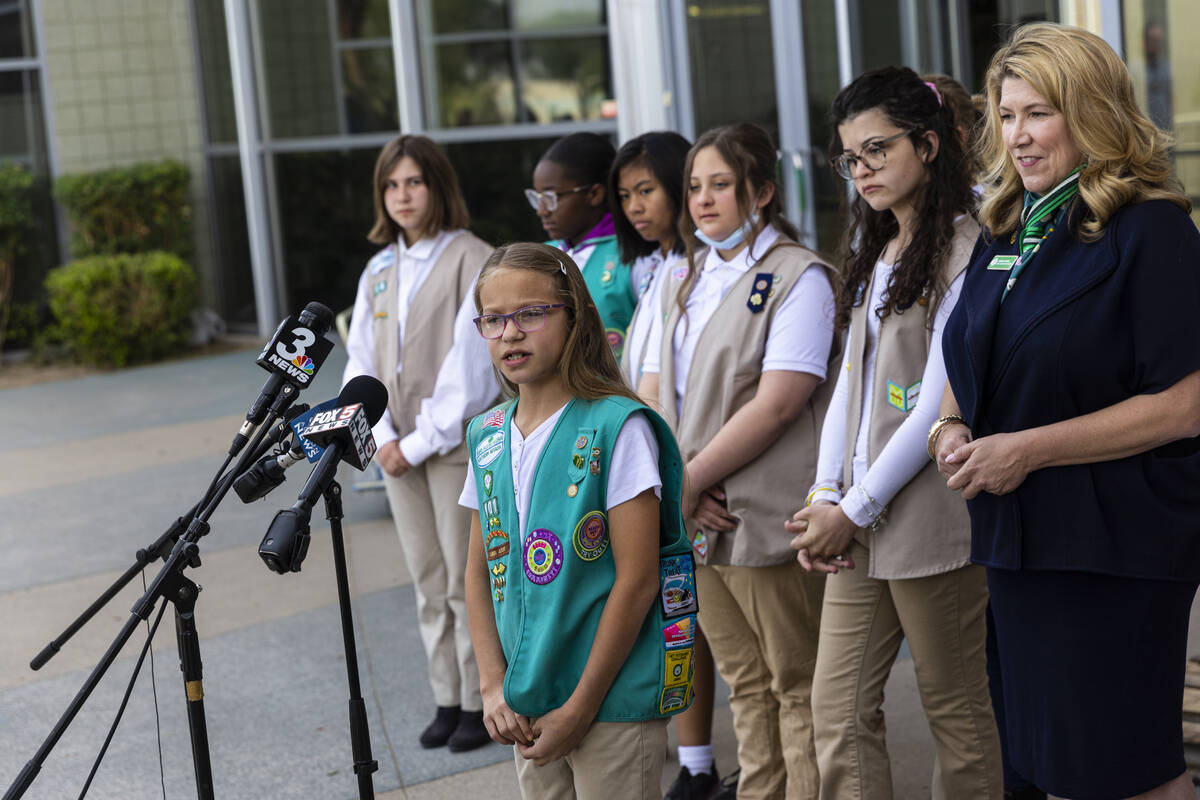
[(295, 351)]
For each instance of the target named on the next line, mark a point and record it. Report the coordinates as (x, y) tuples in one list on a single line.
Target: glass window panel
[(215, 76), (564, 79), (231, 257), (474, 85), (821, 68), (369, 90), (16, 35), (458, 16), (297, 56), (492, 179), (363, 19), (558, 14), (732, 64), (990, 21), (325, 243), (1162, 48), (17, 115)]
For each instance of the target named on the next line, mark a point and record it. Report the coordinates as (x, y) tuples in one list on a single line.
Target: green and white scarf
[(1037, 221)]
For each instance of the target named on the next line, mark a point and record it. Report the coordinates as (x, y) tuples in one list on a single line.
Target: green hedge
[(128, 210), (114, 310)]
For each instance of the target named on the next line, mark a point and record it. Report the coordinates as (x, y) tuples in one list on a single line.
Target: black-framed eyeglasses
[(550, 197), (527, 320), (873, 155)]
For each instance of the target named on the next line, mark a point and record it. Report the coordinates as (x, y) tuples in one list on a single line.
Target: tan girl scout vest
[(428, 331), (723, 377), (925, 529)]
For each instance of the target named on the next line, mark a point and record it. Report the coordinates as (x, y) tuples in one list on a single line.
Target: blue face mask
[(732, 240)]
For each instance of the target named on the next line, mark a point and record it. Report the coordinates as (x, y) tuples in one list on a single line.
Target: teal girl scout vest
[(549, 592), (609, 282)]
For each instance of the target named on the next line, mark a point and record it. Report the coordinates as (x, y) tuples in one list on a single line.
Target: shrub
[(16, 218), (114, 310), (128, 210)]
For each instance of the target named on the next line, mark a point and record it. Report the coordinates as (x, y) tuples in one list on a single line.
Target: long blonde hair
[(587, 366), (1128, 158)]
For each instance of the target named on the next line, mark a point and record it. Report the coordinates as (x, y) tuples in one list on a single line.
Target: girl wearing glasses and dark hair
[(580, 590), (879, 518), (735, 361), (571, 200), (412, 330)]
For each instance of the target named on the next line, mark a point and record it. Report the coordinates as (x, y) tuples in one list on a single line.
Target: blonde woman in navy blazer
[(1071, 418)]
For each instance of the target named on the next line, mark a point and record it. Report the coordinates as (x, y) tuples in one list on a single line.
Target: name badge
[(1002, 263)]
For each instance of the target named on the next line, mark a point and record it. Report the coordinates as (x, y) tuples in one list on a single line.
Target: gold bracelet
[(935, 430)]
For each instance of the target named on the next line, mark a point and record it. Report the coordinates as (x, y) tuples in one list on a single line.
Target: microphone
[(261, 478), (345, 433), (293, 356)]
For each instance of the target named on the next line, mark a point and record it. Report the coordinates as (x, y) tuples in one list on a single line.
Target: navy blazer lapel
[(981, 302), (1065, 269)]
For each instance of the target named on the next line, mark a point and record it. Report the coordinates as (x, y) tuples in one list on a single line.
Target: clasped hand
[(547, 738), (996, 464), (823, 532), (708, 509)]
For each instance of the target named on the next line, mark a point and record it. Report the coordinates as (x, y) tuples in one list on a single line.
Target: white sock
[(698, 759)]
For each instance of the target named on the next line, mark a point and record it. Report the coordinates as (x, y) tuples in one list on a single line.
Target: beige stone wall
[(122, 82)]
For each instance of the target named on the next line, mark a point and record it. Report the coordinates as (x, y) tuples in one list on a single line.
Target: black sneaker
[(437, 733), (470, 733), (729, 786), (693, 787)]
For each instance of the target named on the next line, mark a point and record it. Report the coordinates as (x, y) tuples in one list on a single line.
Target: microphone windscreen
[(368, 391), (321, 312)]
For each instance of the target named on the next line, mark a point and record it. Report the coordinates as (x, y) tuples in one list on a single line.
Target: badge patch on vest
[(379, 288), (1002, 263), (591, 536), (489, 449), (497, 546), (903, 398), (616, 340), (700, 545), (494, 419), (490, 513), (487, 482), (498, 581), (758, 292), (677, 585), (543, 556), (677, 667), (673, 698), (680, 633)]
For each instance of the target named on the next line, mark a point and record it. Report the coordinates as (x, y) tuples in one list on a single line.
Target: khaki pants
[(434, 530), (761, 623), (862, 625), (614, 761)]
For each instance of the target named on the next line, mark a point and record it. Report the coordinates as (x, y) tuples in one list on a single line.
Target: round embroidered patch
[(591, 536), (543, 556), (616, 339)]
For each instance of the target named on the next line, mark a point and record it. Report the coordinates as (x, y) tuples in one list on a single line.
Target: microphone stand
[(172, 584), (360, 734)]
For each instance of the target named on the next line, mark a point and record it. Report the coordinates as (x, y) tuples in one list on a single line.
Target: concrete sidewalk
[(97, 467)]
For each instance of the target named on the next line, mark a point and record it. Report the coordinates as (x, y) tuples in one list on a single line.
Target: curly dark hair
[(909, 103)]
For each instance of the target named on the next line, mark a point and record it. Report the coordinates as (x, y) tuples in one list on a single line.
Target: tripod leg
[(360, 734), (183, 595)]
